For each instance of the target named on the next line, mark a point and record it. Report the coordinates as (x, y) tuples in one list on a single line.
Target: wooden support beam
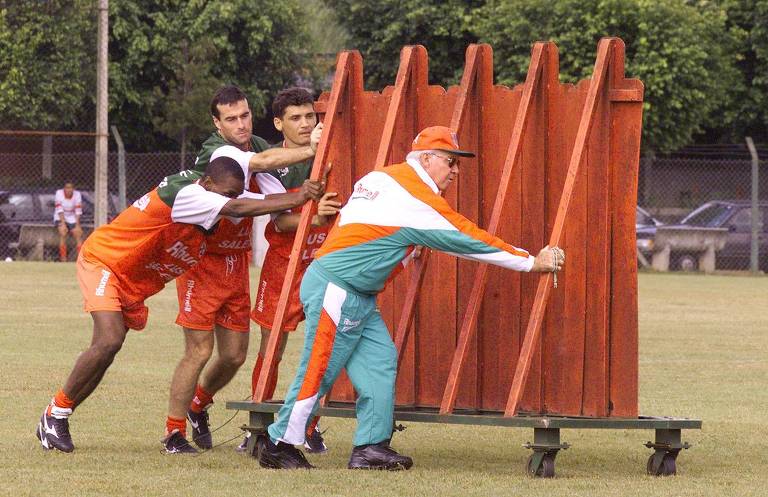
[(347, 63)]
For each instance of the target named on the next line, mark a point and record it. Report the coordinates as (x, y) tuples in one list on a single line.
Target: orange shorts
[(268, 293), (215, 291), (101, 292)]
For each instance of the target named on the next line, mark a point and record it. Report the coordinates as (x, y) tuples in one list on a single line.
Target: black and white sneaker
[(53, 431), (201, 430), (175, 443), (314, 443)]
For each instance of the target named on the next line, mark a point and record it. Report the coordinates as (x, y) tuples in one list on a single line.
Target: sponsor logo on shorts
[(103, 283), (260, 302), (348, 324), (188, 296)]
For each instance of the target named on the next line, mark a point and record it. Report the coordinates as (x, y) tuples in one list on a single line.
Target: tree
[(380, 28), (185, 107), (44, 72), (256, 44), (682, 53), (746, 24)]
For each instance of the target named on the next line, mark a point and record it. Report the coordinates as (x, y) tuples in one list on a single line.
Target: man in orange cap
[(389, 212)]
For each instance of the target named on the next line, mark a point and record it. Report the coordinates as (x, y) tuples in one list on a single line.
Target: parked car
[(736, 216), (645, 230), (27, 205)]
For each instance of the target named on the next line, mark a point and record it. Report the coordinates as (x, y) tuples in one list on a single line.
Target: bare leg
[(197, 350), (265, 340), (62, 229), (77, 233), (108, 336), (232, 350)]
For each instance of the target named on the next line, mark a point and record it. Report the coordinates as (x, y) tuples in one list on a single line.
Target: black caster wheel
[(668, 466), (545, 470)]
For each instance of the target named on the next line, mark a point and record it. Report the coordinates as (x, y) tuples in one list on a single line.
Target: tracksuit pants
[(344, 329)]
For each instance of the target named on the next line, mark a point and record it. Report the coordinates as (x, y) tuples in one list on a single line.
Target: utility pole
[(754, 246), (102, 144)]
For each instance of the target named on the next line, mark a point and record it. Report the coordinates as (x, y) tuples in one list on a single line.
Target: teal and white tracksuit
[(389, 212)]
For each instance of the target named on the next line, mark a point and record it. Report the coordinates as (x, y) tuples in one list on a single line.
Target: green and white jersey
[(294, 175), (216, 141)]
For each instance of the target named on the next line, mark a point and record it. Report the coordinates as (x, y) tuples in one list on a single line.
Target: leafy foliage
[(746, 22), (45, 73), (168, 57), (682, 53), (380, 28)]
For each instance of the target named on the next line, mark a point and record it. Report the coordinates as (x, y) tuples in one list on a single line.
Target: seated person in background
[(66, 217)]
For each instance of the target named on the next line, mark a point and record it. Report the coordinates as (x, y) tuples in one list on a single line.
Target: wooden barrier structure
[(561, 163)]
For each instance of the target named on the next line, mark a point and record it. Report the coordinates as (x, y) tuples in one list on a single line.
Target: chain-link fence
[(33, 167), (707, 187)]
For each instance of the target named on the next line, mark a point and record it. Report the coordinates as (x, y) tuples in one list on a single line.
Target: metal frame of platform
[(546, 430)]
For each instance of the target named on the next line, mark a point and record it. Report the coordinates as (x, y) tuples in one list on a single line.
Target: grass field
[(703, 343)]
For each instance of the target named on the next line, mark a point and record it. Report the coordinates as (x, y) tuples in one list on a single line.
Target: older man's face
[(442, 167)]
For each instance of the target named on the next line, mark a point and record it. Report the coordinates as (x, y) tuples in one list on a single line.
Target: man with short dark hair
[(294, 116), (156, 239), (390, 211), (214, 297)]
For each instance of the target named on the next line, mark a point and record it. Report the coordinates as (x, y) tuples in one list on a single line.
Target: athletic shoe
[(175, 443), (314, 443), (280, 456), (244, 444), (201, 430), (378, 456), (53, 431)]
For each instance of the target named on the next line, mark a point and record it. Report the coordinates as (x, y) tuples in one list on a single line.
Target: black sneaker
[(201, 430), (280, 456), (314, 443), (378, 456), (175, 443), (53, 432)]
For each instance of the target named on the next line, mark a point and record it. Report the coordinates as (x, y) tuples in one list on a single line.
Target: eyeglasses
[(452, 161)]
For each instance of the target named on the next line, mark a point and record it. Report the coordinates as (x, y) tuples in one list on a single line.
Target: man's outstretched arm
[(275, 158), (248, 207)]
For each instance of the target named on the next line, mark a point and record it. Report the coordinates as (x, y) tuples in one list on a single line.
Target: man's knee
[(108, 347), (198, 351), (234, 358), (108, 334)]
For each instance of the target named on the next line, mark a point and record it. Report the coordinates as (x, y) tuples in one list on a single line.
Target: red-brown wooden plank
[(624, 159), (595, 379)]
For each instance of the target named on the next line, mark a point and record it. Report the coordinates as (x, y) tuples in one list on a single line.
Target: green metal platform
[(546, 429)]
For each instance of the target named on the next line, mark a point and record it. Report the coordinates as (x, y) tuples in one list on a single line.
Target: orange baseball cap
[(439, 138)]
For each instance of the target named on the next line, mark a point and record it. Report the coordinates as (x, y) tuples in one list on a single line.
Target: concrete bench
[(702, 243), (37, 239)]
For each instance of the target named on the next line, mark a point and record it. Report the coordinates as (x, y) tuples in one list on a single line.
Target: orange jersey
[(159, 237)]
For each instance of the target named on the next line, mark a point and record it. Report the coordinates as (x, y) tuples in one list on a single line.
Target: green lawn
[(703, 354)]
